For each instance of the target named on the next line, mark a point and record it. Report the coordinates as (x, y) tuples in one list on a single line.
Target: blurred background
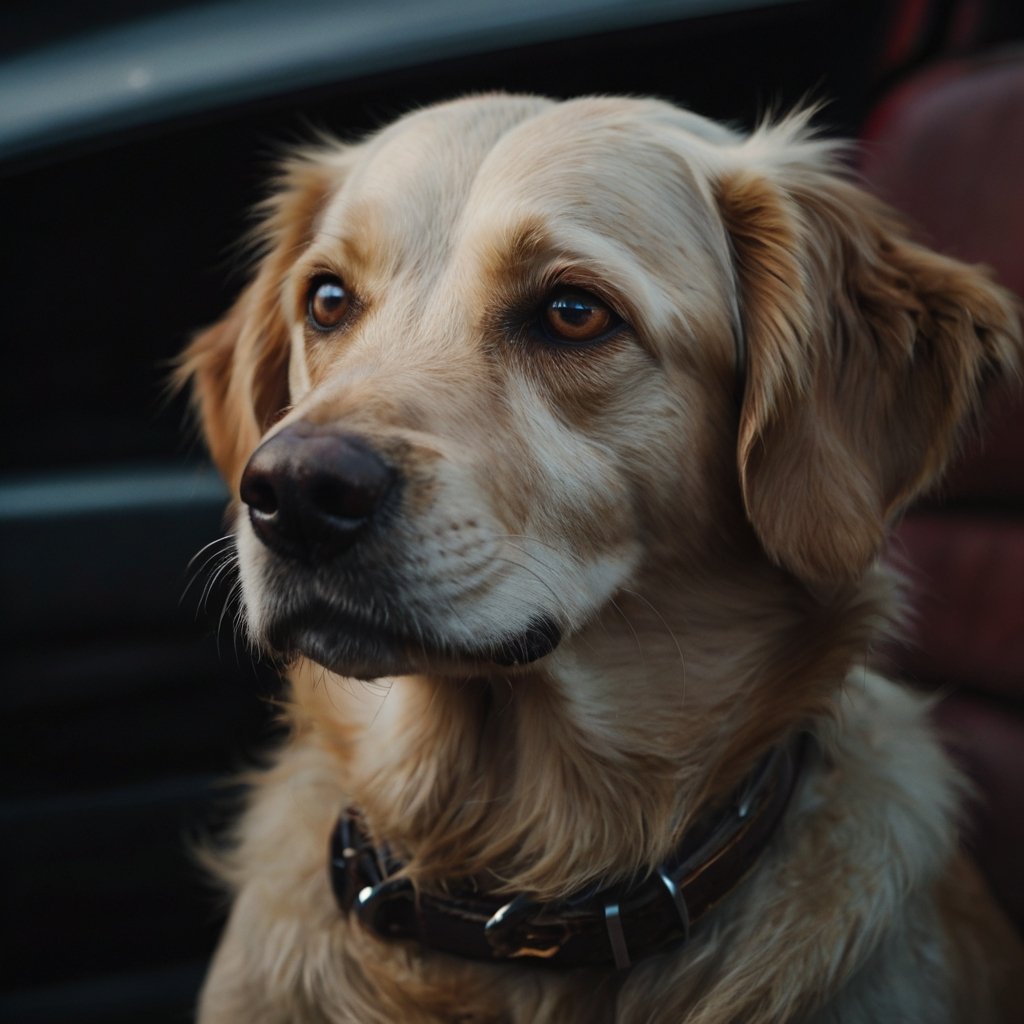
[(135, 138)]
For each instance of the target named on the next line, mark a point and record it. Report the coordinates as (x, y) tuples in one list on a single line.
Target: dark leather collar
[(617, 925)]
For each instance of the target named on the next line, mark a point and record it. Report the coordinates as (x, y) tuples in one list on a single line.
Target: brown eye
[(328, 302), (576, 317)]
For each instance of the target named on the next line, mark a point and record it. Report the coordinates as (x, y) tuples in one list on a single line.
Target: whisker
[(525, 568), (213, 556), (668, 629), (229, 563), (561, 552), (232, 601), (206, 547), (629, 624)]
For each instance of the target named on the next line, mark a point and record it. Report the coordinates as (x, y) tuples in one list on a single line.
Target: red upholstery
[(947, 148)]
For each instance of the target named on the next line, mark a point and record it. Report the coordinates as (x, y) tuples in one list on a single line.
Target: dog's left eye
[(327, 302), (576, 317)]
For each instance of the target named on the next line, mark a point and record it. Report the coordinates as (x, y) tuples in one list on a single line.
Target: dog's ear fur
[(238, 367), (867, 356)]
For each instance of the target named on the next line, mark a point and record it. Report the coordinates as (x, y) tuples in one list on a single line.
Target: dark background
[(125, 704)]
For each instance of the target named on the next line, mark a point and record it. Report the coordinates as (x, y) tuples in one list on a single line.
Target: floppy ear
[(239, 373), (238, 368), (867, 356)]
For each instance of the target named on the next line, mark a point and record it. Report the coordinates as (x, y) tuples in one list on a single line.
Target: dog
[(564, 440)]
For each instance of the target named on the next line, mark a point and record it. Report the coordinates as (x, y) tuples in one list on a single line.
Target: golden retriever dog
[(564, 440)]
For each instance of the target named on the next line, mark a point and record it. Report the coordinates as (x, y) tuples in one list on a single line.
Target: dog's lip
[(359, 646), (538, 639), (339, 640)]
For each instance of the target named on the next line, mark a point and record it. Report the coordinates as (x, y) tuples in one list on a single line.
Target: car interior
[(135, 140)]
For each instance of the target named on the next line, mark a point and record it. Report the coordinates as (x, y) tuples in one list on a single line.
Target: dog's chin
[(367, 650)]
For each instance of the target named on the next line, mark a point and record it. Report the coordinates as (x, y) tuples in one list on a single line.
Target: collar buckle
[(388, 909), (515, 931)]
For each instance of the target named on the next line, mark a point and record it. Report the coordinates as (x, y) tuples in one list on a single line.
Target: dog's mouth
[(366, 648)]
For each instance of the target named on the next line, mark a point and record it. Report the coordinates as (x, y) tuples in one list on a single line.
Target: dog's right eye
[(327, 303), (574, 317)]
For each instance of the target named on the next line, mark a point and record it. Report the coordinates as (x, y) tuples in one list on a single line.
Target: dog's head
[(510, 357)]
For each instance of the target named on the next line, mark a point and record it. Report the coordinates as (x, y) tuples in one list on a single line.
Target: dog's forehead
[(410, 182), (450, 171), (589, 148), (613, 169)]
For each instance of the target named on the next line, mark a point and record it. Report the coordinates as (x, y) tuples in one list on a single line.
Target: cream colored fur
[(711, 562)]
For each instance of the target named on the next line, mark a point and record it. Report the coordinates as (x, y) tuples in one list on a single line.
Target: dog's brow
[(527, 241), (341, 242)]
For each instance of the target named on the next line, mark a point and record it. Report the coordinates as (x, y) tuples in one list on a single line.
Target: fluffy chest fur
[(843, 920)]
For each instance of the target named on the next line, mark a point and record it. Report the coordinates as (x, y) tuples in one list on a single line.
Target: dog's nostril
[(257, 491)]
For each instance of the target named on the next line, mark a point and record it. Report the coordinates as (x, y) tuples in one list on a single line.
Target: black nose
[(312, 490)]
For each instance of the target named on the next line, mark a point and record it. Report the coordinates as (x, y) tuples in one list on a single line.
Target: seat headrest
[(946, 148)]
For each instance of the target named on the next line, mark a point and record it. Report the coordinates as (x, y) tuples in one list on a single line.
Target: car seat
[(946, 148)]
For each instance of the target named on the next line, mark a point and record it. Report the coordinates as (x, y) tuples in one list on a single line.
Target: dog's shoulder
[(849, 902), (883, 770), (881, 888)]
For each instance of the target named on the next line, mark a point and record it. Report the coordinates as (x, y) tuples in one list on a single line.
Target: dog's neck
[(590, 769)]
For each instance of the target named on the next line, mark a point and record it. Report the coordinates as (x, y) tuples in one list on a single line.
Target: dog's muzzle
[(324, 503)]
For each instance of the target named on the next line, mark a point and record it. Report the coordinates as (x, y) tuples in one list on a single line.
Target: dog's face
[(489, 372)]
